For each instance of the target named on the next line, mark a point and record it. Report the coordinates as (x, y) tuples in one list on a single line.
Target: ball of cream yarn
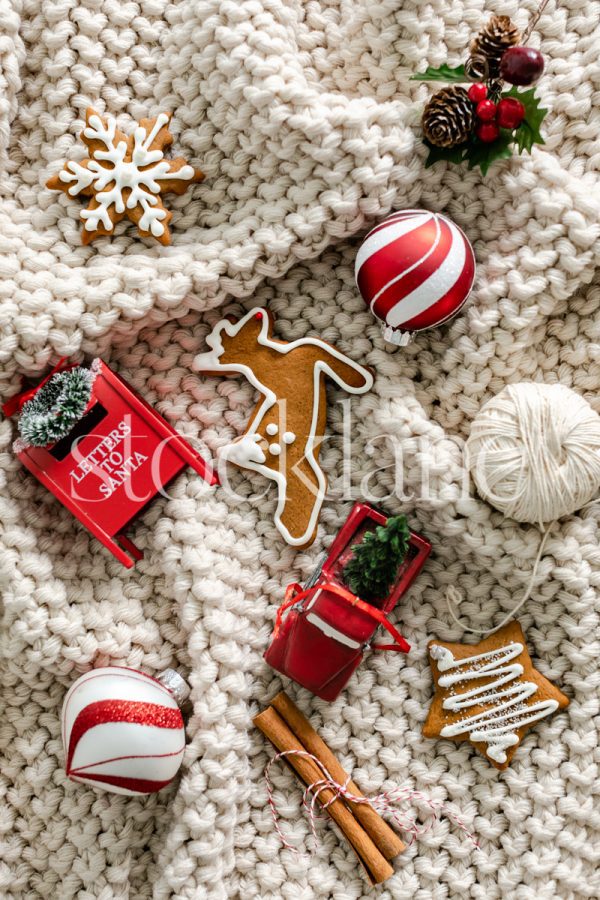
[(534, 452)]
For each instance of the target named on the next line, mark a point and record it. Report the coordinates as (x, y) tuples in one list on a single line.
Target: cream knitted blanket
[(301, 114)]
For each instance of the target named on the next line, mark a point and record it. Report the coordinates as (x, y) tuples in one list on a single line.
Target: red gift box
[(115, 460), (323, 637)]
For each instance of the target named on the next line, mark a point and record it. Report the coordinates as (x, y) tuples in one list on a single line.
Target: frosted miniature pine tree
[(373, 568)]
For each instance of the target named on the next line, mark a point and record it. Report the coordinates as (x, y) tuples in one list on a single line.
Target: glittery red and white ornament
[(414, 270), (123, 731)]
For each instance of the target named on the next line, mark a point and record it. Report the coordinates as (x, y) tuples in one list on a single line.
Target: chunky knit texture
[(302, 117)]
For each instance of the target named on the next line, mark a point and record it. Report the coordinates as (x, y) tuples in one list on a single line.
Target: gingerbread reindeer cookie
[(489, 694), (285, 432)]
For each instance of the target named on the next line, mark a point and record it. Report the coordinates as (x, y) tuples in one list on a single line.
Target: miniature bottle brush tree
[(373, 567)]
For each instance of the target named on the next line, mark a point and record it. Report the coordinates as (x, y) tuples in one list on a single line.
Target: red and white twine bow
[(384, 802)]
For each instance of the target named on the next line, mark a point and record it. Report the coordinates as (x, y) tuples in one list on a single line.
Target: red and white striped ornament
[(123, 731), (414, 270)]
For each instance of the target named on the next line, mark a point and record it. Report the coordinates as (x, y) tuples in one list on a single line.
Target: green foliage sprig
[(477, 153), (373, 568), (445, 73), (474, 152), (56, 407)]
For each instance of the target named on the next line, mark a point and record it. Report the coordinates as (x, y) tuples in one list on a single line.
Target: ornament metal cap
[(175, 684), (396, 336)]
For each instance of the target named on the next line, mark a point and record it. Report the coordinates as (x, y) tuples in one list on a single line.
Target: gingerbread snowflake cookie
[(125, 176), (489, 694)]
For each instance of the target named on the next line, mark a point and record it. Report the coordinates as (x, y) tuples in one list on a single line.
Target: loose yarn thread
[(533, 454), (381, 803)]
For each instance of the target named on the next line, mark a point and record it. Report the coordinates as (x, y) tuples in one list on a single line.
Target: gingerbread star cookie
[(125, 176), (489, 694)]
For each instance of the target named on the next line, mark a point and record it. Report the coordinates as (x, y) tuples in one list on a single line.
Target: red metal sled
[(117, 458)]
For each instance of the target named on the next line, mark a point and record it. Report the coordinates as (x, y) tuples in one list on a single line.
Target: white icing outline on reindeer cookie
[(509, 710), (244, 451)]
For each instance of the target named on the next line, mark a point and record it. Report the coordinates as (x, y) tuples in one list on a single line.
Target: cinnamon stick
[(378, 830), (275, 729)]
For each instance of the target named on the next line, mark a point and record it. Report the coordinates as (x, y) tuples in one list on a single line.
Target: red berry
[(521, 65), (477, 92), (487, 132), (486, 110), (511, 113)]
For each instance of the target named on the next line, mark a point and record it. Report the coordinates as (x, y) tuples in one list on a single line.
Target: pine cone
[(488, 46), (448, 118)]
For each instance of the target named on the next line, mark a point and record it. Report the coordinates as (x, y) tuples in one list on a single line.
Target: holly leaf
[(477, 153), (445, 73), (528, 133), (446, 154)]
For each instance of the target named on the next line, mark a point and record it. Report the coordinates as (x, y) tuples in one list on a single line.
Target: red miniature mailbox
[(113, 462), (322, 639)]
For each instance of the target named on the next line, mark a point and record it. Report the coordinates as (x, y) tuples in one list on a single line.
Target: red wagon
[(323, 630)]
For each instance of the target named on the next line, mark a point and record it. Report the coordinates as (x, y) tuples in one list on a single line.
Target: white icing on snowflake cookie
[(125, 176)]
